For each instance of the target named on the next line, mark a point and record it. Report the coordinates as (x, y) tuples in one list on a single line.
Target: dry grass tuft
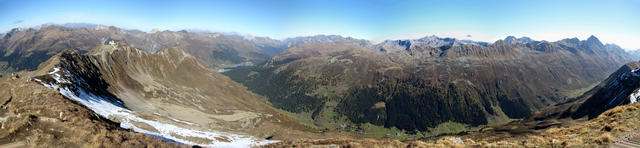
[(603, 139)]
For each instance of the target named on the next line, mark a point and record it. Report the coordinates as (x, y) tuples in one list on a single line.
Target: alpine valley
[(418, 85), (86, 85)]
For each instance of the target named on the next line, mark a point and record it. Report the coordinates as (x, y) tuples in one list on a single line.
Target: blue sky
[(613, 21)]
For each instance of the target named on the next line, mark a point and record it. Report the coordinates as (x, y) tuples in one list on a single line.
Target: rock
[(455, 140), (14, 76)]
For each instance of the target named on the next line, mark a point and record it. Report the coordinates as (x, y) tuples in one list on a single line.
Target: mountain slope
[(620, 88), (430, 82), (169, 94), (605, 116)]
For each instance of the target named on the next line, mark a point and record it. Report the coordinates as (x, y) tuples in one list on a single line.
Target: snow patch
[(185, 122), (635, 70), (168, 132), (633, 98), (101, 27)]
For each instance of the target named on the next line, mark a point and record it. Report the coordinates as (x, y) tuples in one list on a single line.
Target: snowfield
[(633, 98), (114, 110)]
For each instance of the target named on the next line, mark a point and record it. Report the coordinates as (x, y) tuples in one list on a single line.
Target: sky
[(612, 21)]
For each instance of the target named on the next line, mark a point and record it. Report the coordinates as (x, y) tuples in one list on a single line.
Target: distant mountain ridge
[(24, 49), (274, 47), (522, 40), (434, 41)]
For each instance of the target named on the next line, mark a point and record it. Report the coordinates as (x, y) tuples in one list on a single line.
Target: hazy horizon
[(611, 21)]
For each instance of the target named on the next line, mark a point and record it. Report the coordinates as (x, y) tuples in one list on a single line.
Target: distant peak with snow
[(521, 40)]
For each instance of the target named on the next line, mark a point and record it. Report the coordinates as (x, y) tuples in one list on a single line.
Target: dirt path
[(13, 145), (628, 143), (629, 140)]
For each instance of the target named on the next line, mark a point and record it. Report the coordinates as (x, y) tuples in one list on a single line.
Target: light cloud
[(18, 21)]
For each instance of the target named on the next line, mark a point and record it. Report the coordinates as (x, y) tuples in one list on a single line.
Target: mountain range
[(24, 49), (420, 84), (78, 85)]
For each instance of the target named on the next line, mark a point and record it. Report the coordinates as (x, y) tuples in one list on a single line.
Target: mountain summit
[(513, 40)]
